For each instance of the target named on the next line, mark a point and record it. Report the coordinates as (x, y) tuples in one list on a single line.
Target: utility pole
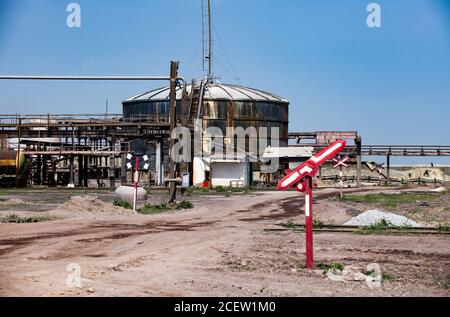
[(18, 152), (207, 38), (172, 125), (210, 42)]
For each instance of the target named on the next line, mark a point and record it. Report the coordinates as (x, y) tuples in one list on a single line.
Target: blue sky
[(392, 84)]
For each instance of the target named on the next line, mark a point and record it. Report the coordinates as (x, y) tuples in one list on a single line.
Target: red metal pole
[(309, 223)]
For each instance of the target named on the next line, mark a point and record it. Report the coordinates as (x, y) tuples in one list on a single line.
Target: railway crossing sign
[(341, 163), (129, 165), (302, 177)]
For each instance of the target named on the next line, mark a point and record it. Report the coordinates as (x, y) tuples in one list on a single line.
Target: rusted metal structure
[(84, 151), (94, 145)]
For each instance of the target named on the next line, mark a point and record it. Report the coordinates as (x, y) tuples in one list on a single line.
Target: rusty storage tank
[(223, 105)]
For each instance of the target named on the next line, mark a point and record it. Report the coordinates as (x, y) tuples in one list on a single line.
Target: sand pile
[(91, 204)]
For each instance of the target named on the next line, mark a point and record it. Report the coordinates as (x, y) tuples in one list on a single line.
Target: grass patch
[(332, 266), (290, 225), (220, 189), (150, 209), (390, 200), (443, 228), (13, 218), (228, 191), (447, 209), (443, 282), (123, 204), (317, 224), (387, 277), (378, 228), (184, 205)]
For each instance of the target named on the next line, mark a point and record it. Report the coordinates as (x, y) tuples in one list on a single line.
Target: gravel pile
[(372, 217)]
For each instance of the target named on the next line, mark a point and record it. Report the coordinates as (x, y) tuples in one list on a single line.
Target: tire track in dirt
[(120, 231), (291, 206)]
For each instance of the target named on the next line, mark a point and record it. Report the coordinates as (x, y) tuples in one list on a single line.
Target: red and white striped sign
[(310, 167), (302, 176)]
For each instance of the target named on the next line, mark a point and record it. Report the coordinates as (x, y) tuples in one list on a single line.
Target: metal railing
[(405, 150)]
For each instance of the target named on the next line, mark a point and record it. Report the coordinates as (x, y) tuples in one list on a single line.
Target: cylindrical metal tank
[(223, 106), (10, 161)]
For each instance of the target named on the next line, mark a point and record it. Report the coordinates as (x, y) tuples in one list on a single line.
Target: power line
[(236, 79), (236, 76), (199, 45)]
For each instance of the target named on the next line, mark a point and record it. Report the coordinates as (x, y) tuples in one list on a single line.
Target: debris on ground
[(91, 204), (423, 204), (372, 275), (438, 190), (372, 217)]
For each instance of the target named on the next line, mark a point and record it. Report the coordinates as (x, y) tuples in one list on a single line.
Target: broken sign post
[(341, 163), (302, 177)]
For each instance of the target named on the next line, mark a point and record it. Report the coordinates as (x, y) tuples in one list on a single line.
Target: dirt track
[(219, 248)]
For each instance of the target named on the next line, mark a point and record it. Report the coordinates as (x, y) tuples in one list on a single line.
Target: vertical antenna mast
[(207, 37)]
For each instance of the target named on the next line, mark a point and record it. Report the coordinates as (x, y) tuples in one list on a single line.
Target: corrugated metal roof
[(213, 91)]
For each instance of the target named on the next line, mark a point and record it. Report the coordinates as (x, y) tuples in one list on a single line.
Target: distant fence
[(383, 180)]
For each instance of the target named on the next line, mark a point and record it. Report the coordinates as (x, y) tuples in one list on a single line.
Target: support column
[(86, 171), (39, 170), (71, 184), (52, 181), (80, 171), (123, 169), (158, 176), (112, 171), (172, 123), (45, 180), (358, 171), (388, 170)]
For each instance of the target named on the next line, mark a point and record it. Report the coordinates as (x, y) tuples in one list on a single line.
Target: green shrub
[(185, 205), (122, 203), (378, 228), (149, 209), (13, 218), (220, 189), (290, 225), (328, 267), (443, 228), (317, 224)]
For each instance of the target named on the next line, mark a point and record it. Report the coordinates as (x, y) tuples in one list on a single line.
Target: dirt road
[(219, 248)]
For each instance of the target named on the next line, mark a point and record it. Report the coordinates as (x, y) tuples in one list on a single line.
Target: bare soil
[(219, 248)]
